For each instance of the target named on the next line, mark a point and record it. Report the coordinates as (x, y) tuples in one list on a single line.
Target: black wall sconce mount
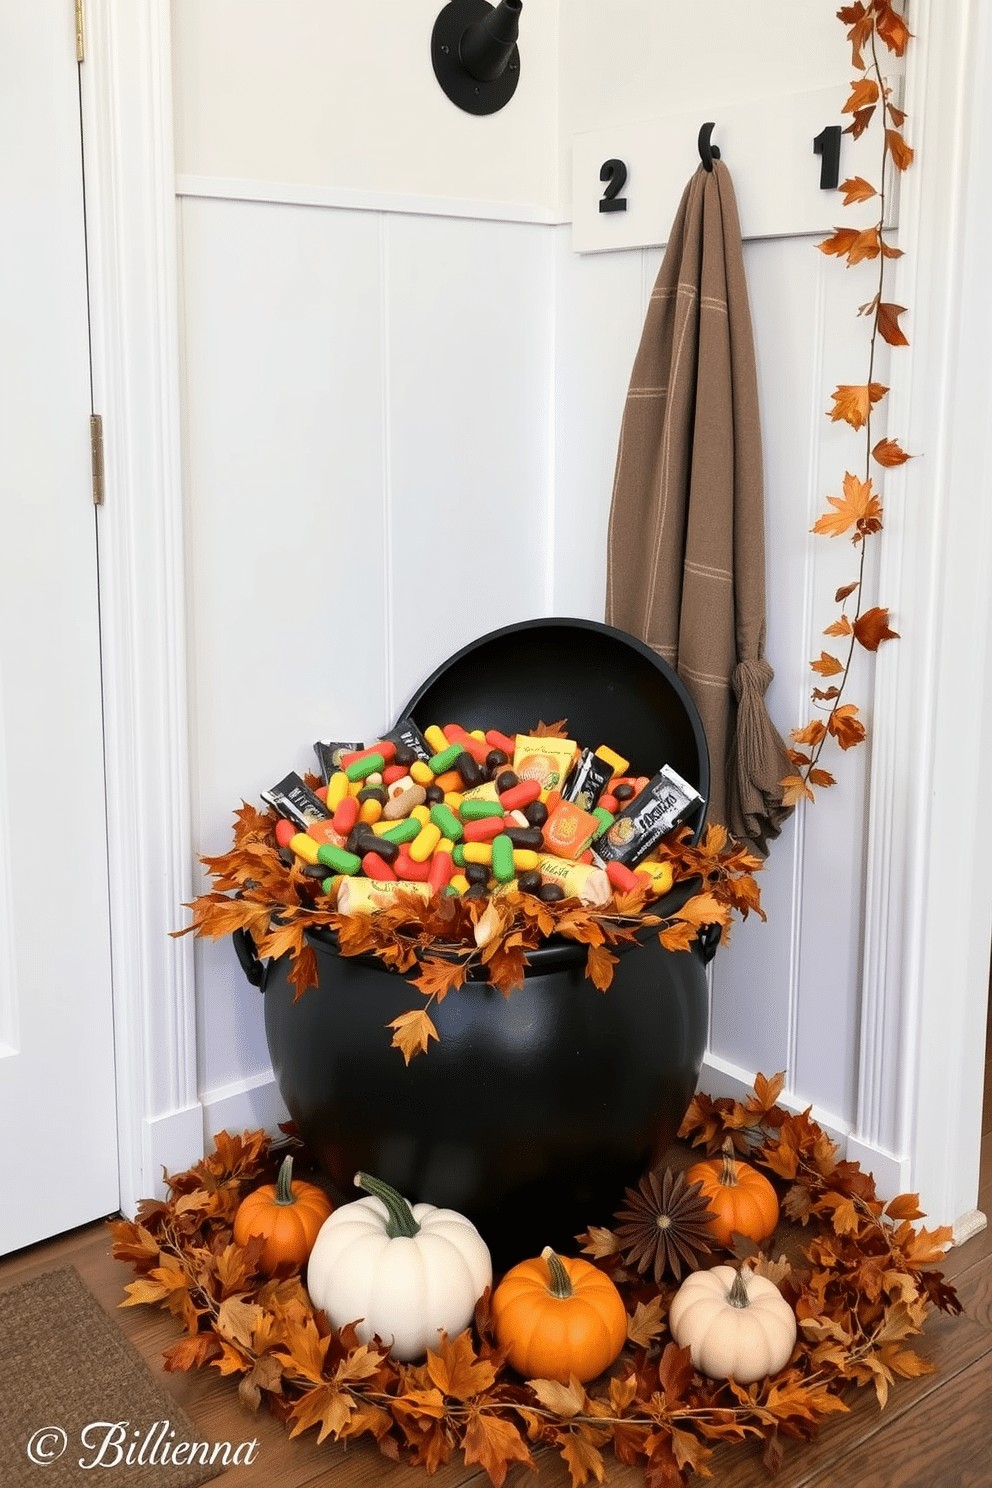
[(474, 52)]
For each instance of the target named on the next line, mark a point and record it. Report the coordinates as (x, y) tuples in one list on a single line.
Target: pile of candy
[(478, 813)]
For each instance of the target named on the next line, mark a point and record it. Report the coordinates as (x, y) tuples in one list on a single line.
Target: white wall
[(330, 95), (382, 377)]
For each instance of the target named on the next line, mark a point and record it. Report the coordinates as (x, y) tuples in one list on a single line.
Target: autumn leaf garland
[(861, 1280), (439, 943), (857, 513)]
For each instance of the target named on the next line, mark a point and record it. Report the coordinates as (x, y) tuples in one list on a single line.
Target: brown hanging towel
[(686, 554)]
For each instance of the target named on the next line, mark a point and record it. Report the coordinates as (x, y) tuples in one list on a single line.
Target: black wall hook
[(474, 52), (707, 152)]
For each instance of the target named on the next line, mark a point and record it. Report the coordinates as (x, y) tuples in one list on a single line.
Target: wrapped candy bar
[(664, 803)]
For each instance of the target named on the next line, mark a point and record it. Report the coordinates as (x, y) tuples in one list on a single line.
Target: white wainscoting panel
[(599, 315), (282, 320)]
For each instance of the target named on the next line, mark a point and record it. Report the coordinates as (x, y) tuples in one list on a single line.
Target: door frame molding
[(126, 92), (928, 910), (924, 989)]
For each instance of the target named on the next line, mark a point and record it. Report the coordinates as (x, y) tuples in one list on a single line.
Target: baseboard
[(170, 1144), (244, 1105), (175, 1141), (891, 1173)]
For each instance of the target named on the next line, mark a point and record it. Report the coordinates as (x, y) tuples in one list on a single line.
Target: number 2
[(615, 173)]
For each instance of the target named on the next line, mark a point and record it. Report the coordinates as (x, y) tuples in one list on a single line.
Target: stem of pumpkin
[(559, 1283), (284, 1182), (737, 1296), (729, 1177), (400, 1217)]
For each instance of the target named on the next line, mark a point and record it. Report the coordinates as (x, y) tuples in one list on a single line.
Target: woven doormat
[(76, 1397)]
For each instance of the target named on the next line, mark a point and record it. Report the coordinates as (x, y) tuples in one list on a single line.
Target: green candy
[(476, 810), (446, 759), (604, 817), (358, 769), (443, 817), (502, 864), (404, 831), (338, 859)]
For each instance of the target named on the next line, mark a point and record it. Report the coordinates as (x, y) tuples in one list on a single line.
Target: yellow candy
[(337, 789), (660, 874), (617, 761), (370, 811), (478, 852), (425, 842), (436, 738), (454, 799), (304, 847), (422, 814), (445, 845), (524, 860), (421, 772), (458, 881)]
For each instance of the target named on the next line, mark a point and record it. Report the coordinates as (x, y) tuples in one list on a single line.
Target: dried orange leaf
[(888, 324), (853, 402), (888, 453), (857, 189), (845, 727), (412, 1033), (794, 790), (891, 27), (901, 153), (826, 665), (872, 628), (858, 509), (494, 1443), (860, 121), (864, 91)]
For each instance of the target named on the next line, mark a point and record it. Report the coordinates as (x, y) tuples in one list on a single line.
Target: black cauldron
[(532, 1112)]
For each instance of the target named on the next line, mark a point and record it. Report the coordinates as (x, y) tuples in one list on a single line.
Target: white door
[(58, 1128)]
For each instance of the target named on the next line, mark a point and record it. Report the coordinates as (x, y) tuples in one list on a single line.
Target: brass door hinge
[(96, 457), (80, 35)]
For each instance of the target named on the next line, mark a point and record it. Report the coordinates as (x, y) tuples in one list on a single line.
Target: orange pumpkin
[(286, 1215), (558, 1317), (741, 1200)]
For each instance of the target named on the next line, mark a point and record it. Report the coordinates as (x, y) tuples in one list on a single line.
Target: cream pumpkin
[(737, 1325), (404, 1273)]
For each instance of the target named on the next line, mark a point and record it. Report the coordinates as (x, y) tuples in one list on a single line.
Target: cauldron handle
[(708, 940), (244, 948)]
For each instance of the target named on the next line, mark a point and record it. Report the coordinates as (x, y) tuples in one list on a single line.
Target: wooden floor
[(936, 1432)]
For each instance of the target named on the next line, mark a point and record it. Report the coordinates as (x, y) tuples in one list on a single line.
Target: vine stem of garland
[(869, 627)]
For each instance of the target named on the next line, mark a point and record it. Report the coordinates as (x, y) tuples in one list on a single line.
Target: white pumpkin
[(737, 1325), (399, 1271)]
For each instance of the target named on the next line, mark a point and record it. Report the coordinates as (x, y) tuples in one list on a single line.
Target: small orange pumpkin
[(557, 1317), (286, 1215), (741, 1200)]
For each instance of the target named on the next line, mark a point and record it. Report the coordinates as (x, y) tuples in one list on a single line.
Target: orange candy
[(568, 831)]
